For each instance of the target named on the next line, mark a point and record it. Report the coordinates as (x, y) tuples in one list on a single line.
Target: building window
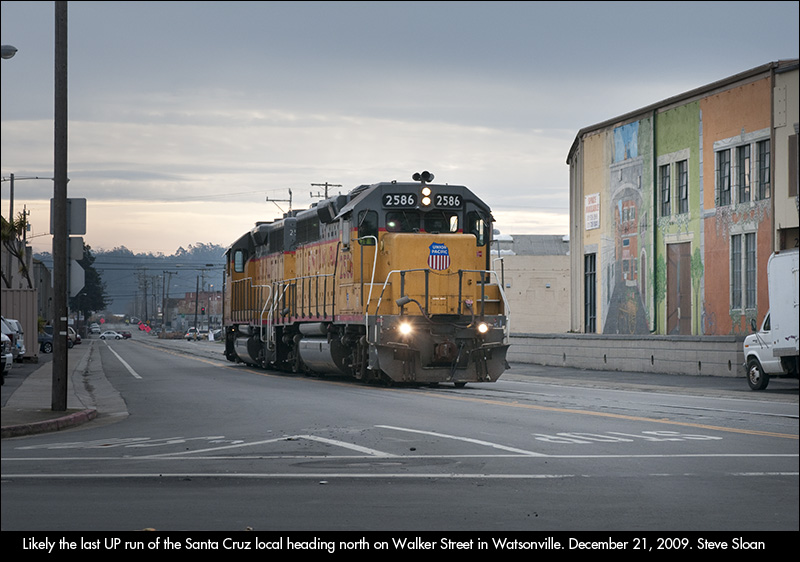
[(762, 149), (683, 186), (793, 159), (590, 293), (743, 165), (723, 178), (743, 271), (665, 190), (750, 270), (736, 271)]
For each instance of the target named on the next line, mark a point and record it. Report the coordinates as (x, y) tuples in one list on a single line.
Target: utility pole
[(165, 296), (60, 234), (196, 298), (283, 201), (326, 185)]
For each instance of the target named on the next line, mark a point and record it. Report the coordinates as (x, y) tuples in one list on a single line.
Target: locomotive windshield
[(440, 222)]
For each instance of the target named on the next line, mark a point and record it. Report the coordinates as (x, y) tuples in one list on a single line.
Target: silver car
[(11, 333), (17, 326), (7, 357)]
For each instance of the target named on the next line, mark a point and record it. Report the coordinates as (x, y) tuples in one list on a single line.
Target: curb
[(57, 424)]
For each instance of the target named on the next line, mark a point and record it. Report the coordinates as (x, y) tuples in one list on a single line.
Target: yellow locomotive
[(391, 282)]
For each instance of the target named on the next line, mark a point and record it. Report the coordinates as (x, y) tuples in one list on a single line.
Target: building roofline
[(770, 67)]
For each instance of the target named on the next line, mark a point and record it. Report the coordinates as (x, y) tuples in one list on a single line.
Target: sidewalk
[(29, 408)]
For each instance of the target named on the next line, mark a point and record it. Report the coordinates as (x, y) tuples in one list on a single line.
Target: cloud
[(212, 107)]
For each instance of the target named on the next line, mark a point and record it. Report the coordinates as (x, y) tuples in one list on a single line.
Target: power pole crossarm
[(326, 185)]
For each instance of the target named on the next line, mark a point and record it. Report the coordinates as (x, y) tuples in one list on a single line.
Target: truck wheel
[(756, 377)]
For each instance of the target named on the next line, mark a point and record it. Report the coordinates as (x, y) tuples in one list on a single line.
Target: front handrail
[(427, 272)]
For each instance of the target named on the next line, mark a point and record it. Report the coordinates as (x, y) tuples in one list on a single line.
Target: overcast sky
[(184, 117)]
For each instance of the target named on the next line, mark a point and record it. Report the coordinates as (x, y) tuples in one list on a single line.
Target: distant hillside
[(128, 277)]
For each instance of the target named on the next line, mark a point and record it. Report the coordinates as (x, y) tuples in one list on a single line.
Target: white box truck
[(772, 351)]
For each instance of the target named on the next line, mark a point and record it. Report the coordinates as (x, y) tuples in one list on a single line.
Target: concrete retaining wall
[(719, 356)]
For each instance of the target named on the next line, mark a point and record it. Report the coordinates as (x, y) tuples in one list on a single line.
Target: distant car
[(95, 330), (192, 334), (111, 335), (125, 334)]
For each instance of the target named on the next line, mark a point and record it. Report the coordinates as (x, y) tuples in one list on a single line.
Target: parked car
[(11, 333), (17, 326), (72, 335), (7, 356), (46, 343), (111, 335)]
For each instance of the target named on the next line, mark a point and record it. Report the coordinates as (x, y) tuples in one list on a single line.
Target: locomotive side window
[(477, 226), (402, 221), (367, 226), (308, 230), (276, 241), (441, 222), (238, 261)]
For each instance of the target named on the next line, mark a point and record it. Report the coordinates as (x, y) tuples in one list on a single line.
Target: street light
[(8, 51)]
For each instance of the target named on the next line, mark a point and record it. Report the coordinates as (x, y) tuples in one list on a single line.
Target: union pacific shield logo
[(439, 258)]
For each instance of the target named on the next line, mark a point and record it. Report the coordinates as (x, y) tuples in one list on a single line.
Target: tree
[(93, 296), (12, 233)]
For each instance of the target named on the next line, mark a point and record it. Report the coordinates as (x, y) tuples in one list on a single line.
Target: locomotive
[(390, 283)]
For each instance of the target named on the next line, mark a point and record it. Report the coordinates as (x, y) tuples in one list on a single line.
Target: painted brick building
[(675, 208)]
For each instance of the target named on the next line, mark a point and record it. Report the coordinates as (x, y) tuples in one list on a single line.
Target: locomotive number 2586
[(399, 200), (448, 201)]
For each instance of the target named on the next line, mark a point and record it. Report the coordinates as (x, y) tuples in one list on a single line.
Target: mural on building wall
[(625, 280)]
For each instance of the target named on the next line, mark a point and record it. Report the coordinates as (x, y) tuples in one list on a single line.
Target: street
[(209, 445)]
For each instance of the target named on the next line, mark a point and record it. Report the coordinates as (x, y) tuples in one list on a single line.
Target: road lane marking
[(371, 453), (613, 416), (466, 440), (121, 360), (180, 456), (362, 475), (351, 446)]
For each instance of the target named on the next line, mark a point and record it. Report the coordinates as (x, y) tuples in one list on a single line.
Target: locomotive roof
[(364, 192), (361, 194)]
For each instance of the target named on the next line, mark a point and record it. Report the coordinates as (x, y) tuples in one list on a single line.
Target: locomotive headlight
[(483, 327), (426, 196), (405, 328)]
